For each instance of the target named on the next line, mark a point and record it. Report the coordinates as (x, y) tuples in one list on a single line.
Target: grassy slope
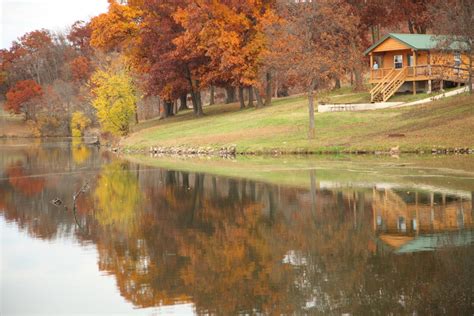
[(451, 173), (283, 126), (345, 95)]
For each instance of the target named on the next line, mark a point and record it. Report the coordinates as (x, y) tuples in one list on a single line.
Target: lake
[(263, 235)]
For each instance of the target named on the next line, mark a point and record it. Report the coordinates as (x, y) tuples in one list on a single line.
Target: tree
[(31, 53), (456, 20), (175, 66), (80, 37), (79, 122), (315, 32), (415, 13), (114, 99), (118, 28), (23, 98), (232, 35), (144, 31), (80, 68)]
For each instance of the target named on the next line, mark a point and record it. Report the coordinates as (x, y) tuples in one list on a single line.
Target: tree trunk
[(197, 103), (230, 95), (275, 95), (241, 97), (359, 85), (410, 27), (195, 93), (312, 128), (167, 109), (199, 111), (375, 33), (175, 107), (259, 98), (183, 100), (268, 90), (338, 84), (212, 100), (194, 101), (250, 90), (469, 81)]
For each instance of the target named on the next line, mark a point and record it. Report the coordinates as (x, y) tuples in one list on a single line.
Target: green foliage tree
[(114, 99)]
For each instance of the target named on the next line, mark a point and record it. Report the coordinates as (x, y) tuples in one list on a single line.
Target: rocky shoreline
[(232, 151)]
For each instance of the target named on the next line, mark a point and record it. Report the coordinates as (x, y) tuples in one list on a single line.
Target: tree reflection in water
[(239, 246)]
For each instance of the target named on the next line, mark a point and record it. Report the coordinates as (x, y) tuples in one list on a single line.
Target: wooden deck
[(387, 81), (424, 72)]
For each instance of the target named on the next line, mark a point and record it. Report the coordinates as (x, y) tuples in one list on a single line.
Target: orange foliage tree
[(22, 97), (231, 34)]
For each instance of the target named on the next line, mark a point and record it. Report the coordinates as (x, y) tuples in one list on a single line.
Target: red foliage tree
[(80, 68), (20, 98), (80, 36)]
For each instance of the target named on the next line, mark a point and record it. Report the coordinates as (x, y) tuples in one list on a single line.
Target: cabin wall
[(447, 58), (390, 45), (387, 58)]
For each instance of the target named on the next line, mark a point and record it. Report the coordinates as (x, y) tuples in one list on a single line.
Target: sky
[(18, 17)]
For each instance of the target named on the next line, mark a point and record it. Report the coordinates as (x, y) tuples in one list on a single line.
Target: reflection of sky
[(59, 277)]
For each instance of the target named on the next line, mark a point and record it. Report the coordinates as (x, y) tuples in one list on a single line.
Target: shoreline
[(234, 151)]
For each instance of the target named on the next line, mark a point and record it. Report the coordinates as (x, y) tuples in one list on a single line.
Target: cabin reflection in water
[(421, 221)]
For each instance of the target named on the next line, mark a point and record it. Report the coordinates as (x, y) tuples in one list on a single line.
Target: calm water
[(154, 241)]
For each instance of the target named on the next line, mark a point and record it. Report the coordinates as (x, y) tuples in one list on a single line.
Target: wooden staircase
[(388, 85)]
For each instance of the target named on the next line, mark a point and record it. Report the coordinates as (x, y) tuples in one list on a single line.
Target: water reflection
[(232, 246)]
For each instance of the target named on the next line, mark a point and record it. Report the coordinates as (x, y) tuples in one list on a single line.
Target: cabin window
[(457, 63), (401, 224), (398, 61), (457, 60)]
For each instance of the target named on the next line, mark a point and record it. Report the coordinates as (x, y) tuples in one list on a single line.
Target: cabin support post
[(430, 87), (414, 72)]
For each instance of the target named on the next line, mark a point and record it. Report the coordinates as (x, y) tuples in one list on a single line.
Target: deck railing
[(378, 74), (425, 72)]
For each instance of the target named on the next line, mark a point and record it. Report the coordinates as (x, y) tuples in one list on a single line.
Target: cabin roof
[(415, 41)]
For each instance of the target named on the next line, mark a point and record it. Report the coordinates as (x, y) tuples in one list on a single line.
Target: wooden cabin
[(413, 62)]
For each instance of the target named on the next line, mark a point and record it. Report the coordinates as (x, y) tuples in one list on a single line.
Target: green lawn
[(283, 126)]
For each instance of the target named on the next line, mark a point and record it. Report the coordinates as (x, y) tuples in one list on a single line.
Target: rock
[(56, 202), (395, 150)]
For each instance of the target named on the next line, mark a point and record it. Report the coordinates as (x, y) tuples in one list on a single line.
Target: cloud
[(21, 16)]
